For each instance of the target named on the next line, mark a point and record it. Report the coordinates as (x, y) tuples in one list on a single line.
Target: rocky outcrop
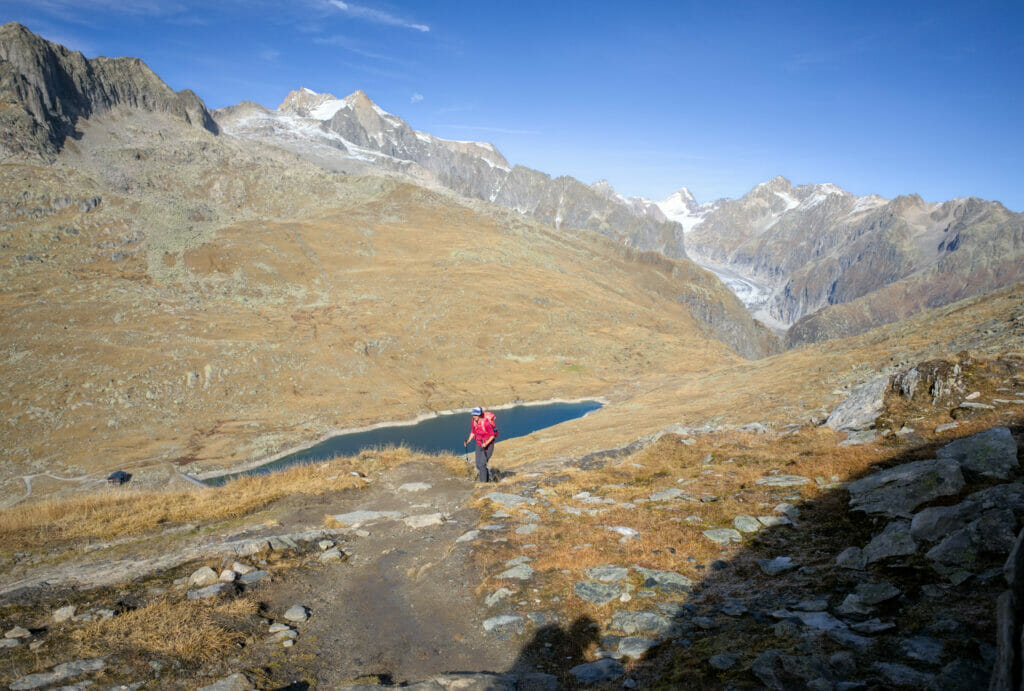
[(45, 89)]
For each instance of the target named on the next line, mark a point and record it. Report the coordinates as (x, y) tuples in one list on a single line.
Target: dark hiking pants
[(483, 455)]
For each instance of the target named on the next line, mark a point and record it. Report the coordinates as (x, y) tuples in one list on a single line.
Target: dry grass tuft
[(110, 514), (184, 630)]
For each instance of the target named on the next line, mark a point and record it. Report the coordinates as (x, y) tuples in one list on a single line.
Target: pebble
[(278, 626), (325, 545), (207, 592), (297, 613), (468, 536), (241, 569), (17, 632), (63, 614), (227, 576), (9, 643)]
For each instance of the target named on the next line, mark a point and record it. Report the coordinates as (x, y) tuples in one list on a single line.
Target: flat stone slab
[(234, 682), (776, 566), (497, 596), (635, 647), (520, 572), (468, 536), (503, 621), (61, 672), (425, 520), (630, 622), (607, 573), (602, 670), (723, 536), (654, 578), (209, 591), (510, 501), (667, 495), (253, 577), (746, 524), (896, 492), (784, 481), (414, 487), (354, 519), (597, 593), (528, 529)]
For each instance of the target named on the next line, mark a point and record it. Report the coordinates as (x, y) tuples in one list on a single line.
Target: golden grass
[(186, 630), (124, 512)]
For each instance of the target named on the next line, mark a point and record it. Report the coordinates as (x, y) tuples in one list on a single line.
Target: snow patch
[(328, 109), (791, 202), (872, 201)]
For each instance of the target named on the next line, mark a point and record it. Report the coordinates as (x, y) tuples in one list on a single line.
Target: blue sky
[(877, 97)]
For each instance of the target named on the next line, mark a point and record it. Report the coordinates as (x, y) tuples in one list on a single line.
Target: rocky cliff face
[(45, 89), (353, 134), (835, 264)]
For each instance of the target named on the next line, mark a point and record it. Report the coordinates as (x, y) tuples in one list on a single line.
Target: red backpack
[(489, 416)]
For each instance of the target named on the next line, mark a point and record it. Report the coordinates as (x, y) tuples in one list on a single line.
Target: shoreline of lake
[(255, 464)]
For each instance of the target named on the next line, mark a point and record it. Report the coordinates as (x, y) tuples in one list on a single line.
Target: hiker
[(483, 429)]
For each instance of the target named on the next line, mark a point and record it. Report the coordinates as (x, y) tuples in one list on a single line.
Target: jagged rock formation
[(835, 264), (45, 89), (354, 135)]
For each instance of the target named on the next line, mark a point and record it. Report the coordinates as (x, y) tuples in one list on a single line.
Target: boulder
[(297, 613), (935, 523), (989, 454), (594, 672), (203, 577), (894, 541), (852, 558), (630, 622), (861, 408), (60, 673), (896, 492), (992, 533), (723, 536), (746, 524), (635, 647)]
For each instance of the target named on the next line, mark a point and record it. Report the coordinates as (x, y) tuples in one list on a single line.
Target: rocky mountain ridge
[(353, 134), (833, 264), (45, 89)]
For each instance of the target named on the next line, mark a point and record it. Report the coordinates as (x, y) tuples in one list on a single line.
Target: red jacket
[(483, 429)]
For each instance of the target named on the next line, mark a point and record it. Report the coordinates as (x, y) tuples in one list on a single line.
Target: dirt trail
[(402, 606)]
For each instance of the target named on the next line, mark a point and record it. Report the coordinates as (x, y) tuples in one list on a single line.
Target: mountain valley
[(187, 292)]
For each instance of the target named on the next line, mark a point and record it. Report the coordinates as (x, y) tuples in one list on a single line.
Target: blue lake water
[(442, 434)]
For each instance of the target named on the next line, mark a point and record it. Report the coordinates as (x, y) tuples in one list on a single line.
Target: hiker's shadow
[(554, 650)]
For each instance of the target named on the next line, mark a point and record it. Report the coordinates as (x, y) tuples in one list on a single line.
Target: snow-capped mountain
[(791, 252), (682, 207), (354, 135)]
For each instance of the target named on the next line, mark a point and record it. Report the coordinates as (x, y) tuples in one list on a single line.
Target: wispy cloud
[(270, 54), (376, 16), (354, 46), (500, 130), (416, 97)]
